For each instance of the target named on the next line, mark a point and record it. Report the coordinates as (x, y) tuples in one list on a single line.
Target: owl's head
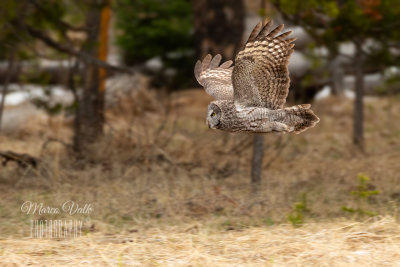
[(214, 115)]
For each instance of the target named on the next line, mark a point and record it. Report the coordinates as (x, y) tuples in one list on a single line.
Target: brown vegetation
[(160, 167), (373, 243)]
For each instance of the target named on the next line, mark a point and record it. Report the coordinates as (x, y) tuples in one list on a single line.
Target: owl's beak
[(209, 125)]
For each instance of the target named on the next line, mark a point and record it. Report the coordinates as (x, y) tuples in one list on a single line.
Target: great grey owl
[(250, 95)]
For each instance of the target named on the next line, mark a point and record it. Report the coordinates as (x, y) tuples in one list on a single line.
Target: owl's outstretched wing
[(261, 77), (216, 79)]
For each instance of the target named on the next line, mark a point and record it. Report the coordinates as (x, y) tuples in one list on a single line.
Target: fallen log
[(23, 160)]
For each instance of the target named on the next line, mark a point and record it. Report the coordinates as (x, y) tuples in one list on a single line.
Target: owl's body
[(232, 118), (250, 96)]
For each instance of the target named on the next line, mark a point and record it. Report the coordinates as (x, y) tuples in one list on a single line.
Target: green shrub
[(362, 196), (296, 217)]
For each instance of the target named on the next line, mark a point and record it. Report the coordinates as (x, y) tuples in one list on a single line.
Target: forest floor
[(165, 190)]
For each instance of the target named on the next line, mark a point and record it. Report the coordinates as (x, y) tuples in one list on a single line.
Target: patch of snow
[(14, 118), (154, 64), (371, 81), (15, 98), (349, 94), (114, 59), (302, 37), (298, 64), (391, 71), (25, 93), (322, 51), (347, 49), (47, 63), (324, 93)]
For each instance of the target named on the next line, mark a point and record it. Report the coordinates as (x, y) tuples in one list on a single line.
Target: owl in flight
[(250, 95)]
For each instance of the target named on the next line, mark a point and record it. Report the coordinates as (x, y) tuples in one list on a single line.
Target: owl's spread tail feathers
[(301, 117)]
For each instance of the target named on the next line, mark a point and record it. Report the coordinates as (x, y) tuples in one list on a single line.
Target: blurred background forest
[(99, 104)]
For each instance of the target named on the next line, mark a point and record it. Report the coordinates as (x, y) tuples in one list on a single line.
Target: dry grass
[(372, 243), (185, 190)]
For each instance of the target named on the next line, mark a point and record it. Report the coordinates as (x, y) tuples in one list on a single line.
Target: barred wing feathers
[(215, 78), (261, 77)]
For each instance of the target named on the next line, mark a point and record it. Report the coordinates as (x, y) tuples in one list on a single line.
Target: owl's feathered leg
[(280, 127), (298, 118)]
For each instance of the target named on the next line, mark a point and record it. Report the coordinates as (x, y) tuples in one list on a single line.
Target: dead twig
[(23, 160)]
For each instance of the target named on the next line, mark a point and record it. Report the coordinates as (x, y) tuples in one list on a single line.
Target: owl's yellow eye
[(213, 114)]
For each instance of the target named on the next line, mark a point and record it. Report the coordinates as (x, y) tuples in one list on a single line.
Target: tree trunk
[(219, 26), (337, 82), (103, 49), (256, 166), (5, 84), (358, 133), (90, 112)]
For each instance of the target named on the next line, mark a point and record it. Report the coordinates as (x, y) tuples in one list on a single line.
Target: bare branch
[(68, 50), (59, 22)]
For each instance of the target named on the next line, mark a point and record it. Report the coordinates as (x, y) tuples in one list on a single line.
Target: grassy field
[(373, 243), (166, 190)]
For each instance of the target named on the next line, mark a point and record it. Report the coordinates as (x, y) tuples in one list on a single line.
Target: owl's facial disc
[(213, 116)]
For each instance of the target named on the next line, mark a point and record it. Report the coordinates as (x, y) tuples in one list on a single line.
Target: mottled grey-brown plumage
[(250, 96)]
